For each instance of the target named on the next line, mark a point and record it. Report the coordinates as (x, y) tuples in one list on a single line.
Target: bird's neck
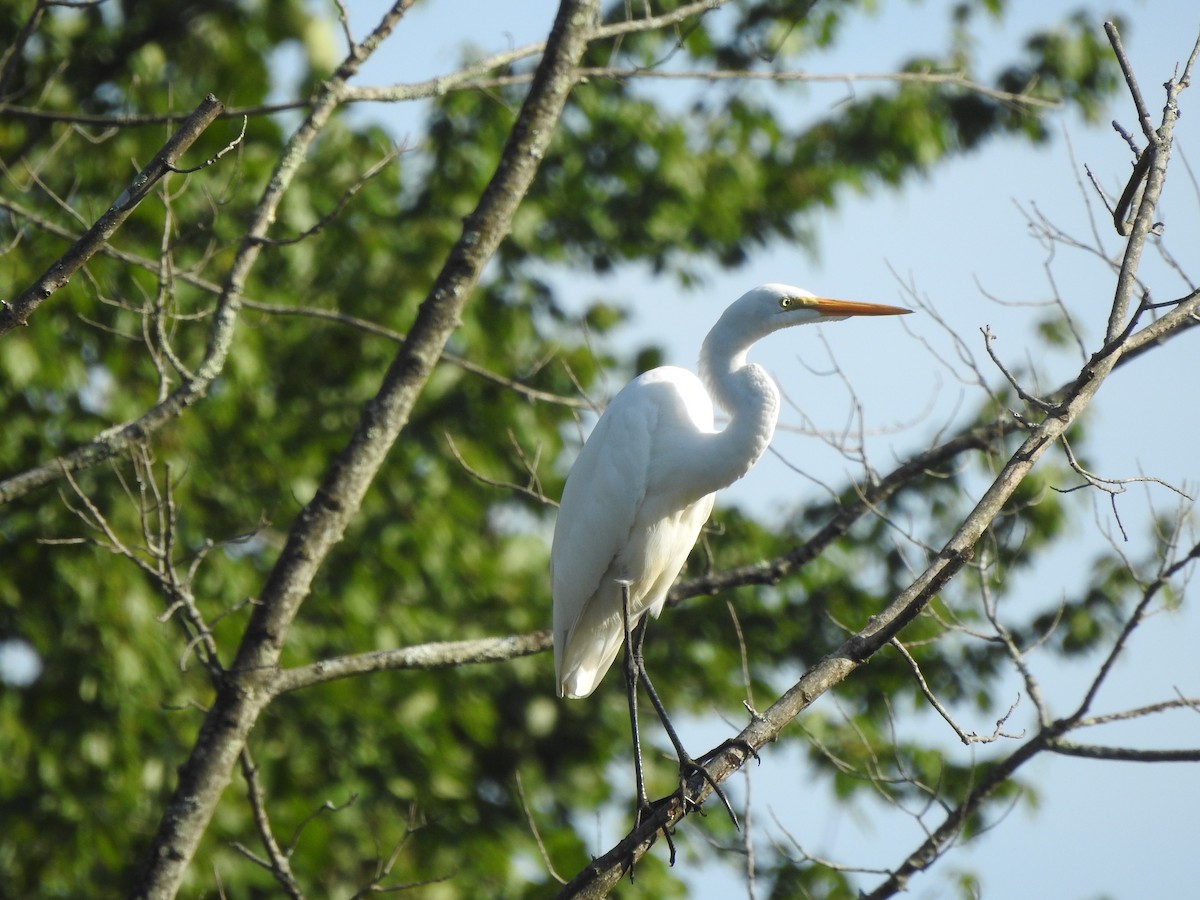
[(747, 394)]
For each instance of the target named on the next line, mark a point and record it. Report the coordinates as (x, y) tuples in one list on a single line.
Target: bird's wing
[(626, 505), (600, 503)]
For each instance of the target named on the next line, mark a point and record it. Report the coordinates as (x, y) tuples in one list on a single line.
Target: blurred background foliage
[(428, 761)]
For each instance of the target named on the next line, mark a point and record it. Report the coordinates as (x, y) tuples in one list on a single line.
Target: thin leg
[(632, 665), (687, 765), (631, 677)]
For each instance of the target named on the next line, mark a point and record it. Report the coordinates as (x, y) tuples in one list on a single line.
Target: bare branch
[(771, 572), (281, 309), (1032, 686), (1114, 38), (988, 339), (224, 151), (533, 829), (383, 867), (1192, 703), (19, 310), (115, 440), (533, 492), (1123, 754), (442, 654), (1048, 739), (806, 857), (618, 73), (327, 807), (1158, 150), (1131, 623), (346, 197)]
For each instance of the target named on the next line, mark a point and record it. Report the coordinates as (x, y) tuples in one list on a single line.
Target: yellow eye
[(785, 302)]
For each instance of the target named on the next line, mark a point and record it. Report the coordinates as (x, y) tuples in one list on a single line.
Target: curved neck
[(748, 395)]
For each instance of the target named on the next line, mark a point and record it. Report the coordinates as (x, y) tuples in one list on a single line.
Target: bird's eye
[(785, 302)]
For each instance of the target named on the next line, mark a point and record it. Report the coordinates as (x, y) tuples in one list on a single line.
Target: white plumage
[(644, 482)]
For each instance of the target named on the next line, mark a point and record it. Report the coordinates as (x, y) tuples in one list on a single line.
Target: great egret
[(643, 486)]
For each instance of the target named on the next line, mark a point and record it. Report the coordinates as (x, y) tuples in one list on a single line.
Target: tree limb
[(320, 525), (437, 655), (1124, 754)]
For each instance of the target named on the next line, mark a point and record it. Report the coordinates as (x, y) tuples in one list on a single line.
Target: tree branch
[(1123, 754), (204, 776), (1158, 149), (278, 862), (19, 310), (627, 73), (289, 309), (771, 572), (967, 737), (438, 655)]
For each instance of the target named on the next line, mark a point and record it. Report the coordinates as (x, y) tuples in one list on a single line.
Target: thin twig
[(1134, 619), (1180, 702), (532, 493), (967, 737), (1114, 38), (228, 148), (327, 807), (618, 73), (346, 197), (533, 829), (988, 339)]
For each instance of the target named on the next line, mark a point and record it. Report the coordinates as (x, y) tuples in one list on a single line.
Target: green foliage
[(427, 761), (791, 879)]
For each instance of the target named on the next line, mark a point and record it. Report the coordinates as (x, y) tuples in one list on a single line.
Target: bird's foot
[(646, 809), (689, 767), (747, 750)]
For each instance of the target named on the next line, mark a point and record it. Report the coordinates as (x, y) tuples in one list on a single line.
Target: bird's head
[(771, 307), (789, 305)]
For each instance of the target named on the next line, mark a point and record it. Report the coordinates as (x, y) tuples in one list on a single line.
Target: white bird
[(644, 484)]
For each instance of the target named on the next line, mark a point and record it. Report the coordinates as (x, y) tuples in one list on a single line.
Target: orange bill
[(827, 307)]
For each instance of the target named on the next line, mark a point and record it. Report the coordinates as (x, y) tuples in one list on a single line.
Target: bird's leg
[(633, 667), (687, 765), (631, 676)]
